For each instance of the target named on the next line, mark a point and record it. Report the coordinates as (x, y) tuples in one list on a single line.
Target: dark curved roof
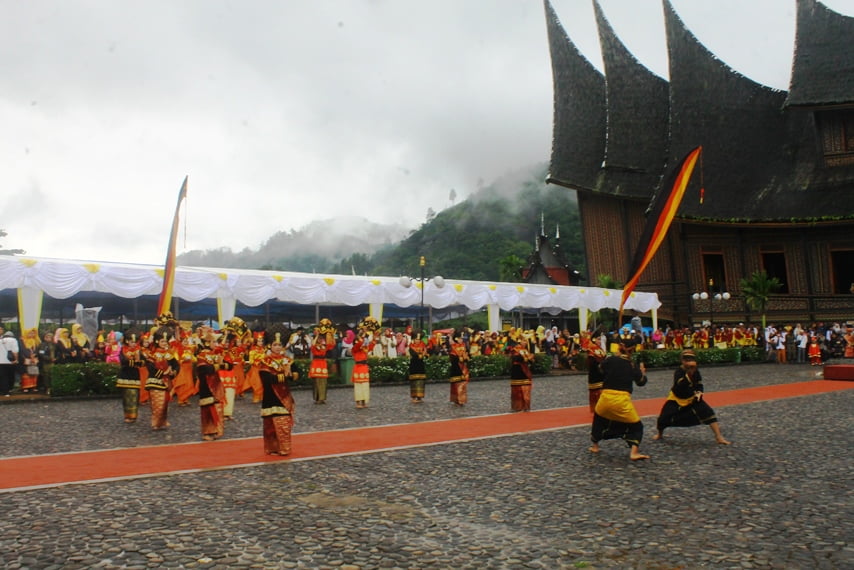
[(823, 66), (739, 123), (637, 102), (762, 161), (578, 138)]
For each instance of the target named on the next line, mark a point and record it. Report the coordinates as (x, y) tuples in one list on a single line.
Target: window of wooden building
[(774, 264), (842, 262), (714, 274), (836, 131)]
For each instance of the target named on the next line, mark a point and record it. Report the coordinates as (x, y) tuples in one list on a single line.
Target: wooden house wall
[(807, 251), (677, 271)]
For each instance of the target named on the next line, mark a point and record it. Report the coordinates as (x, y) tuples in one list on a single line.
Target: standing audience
[(9, 352)]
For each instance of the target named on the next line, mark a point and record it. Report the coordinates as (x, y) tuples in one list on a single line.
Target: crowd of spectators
[(815, 343)]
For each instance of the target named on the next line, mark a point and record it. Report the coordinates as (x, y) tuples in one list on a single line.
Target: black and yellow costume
[(615, 416), (683, 407)]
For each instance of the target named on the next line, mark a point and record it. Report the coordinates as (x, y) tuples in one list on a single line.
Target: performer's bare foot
[(594, 448), (207, 438), (658, 436), (636, 455), (716, 429)]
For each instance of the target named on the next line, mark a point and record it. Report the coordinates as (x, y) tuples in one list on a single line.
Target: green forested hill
[(472, 239), (486, 237)]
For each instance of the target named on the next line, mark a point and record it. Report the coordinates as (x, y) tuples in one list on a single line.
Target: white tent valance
[(61, 279)]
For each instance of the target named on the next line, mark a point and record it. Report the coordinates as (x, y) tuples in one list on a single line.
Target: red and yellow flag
[(661, 214), (169, 268)]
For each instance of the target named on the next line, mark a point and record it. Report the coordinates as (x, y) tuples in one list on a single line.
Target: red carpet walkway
[(32, 472)]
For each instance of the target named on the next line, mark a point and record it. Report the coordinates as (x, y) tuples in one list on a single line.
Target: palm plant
[(608, 317), (757, 290)]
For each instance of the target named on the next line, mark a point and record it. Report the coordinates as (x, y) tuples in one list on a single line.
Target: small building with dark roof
[(774, 187), (547, 264)]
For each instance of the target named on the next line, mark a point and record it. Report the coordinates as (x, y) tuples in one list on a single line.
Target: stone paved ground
[(779, 497)]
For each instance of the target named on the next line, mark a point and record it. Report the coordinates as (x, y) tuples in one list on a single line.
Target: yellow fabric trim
[(681, 401), (616, 405)]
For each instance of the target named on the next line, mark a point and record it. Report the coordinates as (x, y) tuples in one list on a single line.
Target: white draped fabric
[(62, 278)]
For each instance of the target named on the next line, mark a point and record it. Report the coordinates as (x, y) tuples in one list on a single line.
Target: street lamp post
[(406, 281), (712, 297)]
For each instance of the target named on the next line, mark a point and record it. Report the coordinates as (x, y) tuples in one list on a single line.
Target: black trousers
[(674, 415), (7, 378), (603, 428)]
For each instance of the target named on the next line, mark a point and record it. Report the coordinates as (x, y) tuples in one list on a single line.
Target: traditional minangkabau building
[(773, 190), (547, 264)]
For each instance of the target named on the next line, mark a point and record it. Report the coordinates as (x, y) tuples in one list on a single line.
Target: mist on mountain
[(495, 226)]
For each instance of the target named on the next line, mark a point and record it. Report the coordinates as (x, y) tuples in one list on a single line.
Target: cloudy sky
[(285, 112)]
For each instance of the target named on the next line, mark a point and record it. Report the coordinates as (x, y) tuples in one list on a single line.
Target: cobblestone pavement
[(779, 497)]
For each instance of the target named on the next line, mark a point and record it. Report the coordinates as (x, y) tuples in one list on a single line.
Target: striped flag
[(169, 269), (661, 214)]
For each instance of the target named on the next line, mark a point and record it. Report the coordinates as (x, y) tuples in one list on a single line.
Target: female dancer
[(211, 392), (521, 380), (277, 405), (319, 369), (186, 384), (253, 377), (162, 368), (362, 346), (417, 370), (129, 376), (459, 355)]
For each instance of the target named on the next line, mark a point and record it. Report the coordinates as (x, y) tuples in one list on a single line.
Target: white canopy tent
[(32, 277)]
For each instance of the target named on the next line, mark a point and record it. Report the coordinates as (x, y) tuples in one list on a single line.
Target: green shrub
[(542, 363), (659, 358), (86, 379), (301, 367), (753, 354), (385, 370), (671, 358), (438, 367), (489, 366)]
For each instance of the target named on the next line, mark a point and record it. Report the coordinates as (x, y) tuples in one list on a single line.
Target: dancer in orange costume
[(253, 379), (319, 370), (362, 346), (186, 384)]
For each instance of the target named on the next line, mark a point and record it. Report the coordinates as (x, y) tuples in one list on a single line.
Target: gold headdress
[(370, 324)]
